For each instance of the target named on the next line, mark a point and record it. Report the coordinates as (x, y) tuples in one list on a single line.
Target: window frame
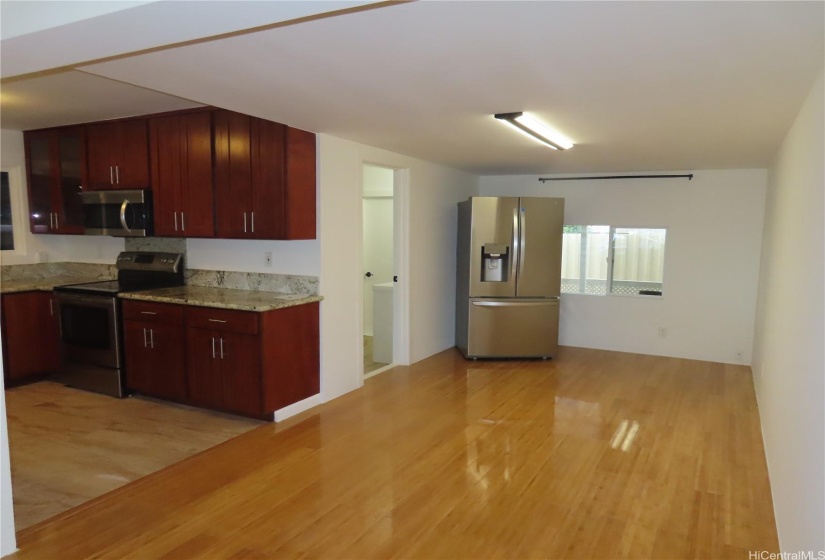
[(610, 261), (19, 205)]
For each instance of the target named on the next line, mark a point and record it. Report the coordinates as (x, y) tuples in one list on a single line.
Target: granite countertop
[(223, 298), (42, 284)]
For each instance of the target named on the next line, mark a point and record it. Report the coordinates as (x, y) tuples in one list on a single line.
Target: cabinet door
[(139, 374), (203, 373), (30, 335), (118, 155), (268, 201), (240, 359), (39, 168), (300, 185), (197, 192), (100, 155), (132, 155), (155, 357), (71, 177), (181, 158), (233, 174), (165, 142)]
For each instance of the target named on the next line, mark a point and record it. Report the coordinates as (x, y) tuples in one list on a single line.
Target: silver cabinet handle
[(123, 215), (151, 338), (213, 347), (117, 174), (51, 307), (56, 222), (244, 222), (111, 176), (51, 220), (148, 313), (221, 348), (182, 223), (145, 344), (176, 220), (253, 221), (217, 321)]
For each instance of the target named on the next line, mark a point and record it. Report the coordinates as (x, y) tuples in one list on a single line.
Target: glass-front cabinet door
[(71, 164), (39, 167), (56, 171)]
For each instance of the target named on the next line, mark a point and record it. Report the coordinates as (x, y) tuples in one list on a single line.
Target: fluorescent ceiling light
[(536, 130)]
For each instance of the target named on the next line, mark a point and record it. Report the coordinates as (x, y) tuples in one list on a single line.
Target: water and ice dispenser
[(495, 262)]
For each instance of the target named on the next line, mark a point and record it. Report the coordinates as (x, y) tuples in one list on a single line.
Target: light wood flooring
[(369, 364), (69, 446), (592, 455)]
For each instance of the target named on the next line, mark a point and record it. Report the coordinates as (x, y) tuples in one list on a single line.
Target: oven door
[(89, 328)]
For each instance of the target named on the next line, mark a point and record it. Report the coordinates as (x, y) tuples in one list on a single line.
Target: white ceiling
[(639, 86)]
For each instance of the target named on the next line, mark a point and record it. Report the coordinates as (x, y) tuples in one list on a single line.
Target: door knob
[(368, 275)]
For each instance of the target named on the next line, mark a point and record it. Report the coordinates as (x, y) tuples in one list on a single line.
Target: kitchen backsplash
[(160, 244), (284, 283), (85, 271)]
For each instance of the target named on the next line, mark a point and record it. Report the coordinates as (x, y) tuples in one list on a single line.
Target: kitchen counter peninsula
[(223, 298)]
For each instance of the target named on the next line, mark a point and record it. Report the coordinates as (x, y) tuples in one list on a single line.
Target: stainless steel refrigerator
[(509, 276)]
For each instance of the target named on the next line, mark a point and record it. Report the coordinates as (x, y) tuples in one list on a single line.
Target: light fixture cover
[(536, 130)]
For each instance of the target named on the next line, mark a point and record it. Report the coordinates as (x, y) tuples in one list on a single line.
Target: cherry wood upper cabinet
[(56, 171), (264, 179), (181, 161), (118, 155)]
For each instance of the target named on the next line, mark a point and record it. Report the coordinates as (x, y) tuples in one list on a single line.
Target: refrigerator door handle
[(516, 258), (523, 241), (515, 303)]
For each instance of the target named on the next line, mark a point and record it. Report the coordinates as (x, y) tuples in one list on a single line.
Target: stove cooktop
[(137, 271)]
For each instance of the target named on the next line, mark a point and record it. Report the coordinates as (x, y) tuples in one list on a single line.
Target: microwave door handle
[(123, 216)]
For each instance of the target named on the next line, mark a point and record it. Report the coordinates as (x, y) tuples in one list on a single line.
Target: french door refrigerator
[(509, 276)]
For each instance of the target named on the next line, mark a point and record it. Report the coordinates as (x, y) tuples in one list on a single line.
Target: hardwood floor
[(69, 446), (593, 455)]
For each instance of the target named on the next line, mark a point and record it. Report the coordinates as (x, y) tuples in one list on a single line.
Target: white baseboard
[(298, 407)]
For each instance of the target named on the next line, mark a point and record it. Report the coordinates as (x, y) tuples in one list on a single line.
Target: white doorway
[(380, 241)]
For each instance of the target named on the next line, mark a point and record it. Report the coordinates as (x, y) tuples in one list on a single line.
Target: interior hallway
[(596, 454)]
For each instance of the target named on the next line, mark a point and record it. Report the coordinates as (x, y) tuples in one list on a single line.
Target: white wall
[(288, 257), (788, 366), (55, 248), (714, 226), (433, 192)]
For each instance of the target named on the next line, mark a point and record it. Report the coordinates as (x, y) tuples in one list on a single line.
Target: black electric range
[(90, 319)]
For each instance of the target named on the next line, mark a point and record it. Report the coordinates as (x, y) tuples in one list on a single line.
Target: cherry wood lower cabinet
[(153, 336), (235, 361), (31, 336)]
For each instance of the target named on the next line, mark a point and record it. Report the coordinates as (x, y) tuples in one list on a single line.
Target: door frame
[(401, 266)]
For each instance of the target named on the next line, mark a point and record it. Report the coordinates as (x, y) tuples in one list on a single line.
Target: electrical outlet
[(267, 259), (662, 332)]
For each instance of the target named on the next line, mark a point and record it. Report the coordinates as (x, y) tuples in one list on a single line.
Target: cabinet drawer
[(156, 312), (245, 322)]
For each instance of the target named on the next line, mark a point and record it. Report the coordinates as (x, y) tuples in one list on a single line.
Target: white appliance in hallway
[(509, 276)]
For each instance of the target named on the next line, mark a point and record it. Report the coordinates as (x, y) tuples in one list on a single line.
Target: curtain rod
[(689, 177)]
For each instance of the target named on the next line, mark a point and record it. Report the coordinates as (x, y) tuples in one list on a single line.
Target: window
[(6, 225), (13, 221), (603, 260)]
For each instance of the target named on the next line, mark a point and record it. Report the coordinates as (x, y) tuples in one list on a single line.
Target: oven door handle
[(101, 301), (123, 216)]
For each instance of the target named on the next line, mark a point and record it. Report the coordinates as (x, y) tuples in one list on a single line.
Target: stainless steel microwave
[(118, 213)]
